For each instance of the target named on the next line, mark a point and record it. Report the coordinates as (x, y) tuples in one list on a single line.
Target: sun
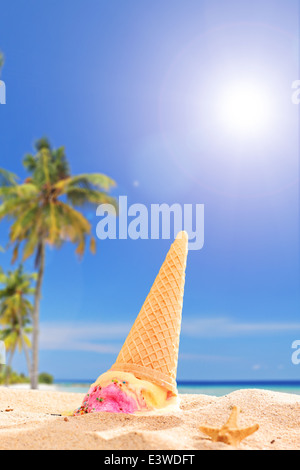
[(244, 108)]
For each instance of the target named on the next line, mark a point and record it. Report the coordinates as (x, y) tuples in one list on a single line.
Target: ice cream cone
[(150, 351)]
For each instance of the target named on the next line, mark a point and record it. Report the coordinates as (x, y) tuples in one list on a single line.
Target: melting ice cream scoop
[(123, 393)]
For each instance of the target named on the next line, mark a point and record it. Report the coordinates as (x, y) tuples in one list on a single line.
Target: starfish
[(230, 433)]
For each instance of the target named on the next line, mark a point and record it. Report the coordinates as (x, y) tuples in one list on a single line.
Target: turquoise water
[(220, 390), (215, 389)]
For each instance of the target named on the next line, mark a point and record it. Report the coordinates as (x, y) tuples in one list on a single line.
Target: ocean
[(204, 388)]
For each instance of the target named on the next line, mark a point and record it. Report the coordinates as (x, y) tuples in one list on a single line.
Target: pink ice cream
[(112, 399)]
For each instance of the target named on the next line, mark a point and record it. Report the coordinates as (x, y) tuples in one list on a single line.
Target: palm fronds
[(44, 207), (16, 310)]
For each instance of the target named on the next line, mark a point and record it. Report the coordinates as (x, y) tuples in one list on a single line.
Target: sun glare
[(245, 109)]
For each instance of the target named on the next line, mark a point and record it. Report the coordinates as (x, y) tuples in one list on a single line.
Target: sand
[(32, 423)]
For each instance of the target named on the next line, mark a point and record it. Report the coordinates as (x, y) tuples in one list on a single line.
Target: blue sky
[(136, 90)]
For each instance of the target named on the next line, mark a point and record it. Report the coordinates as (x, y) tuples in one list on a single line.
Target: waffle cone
[(150, 351)]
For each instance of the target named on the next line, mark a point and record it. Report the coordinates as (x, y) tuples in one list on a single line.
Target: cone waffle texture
[(150, 351)]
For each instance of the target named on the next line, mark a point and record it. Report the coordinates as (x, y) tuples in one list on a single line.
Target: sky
[(185, 102)]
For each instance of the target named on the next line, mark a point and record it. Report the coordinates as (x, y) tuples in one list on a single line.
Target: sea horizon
[(205, 387)]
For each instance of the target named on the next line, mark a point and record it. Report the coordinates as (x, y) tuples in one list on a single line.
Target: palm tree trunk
[(24, 346), (36, 318), (8, 365), (27, 356)]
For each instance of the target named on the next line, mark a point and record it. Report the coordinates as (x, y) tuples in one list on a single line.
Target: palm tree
[(13, 339), (15, 312), (43, 210)]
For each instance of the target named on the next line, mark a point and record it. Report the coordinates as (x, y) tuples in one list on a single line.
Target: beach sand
[(31, 424)]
